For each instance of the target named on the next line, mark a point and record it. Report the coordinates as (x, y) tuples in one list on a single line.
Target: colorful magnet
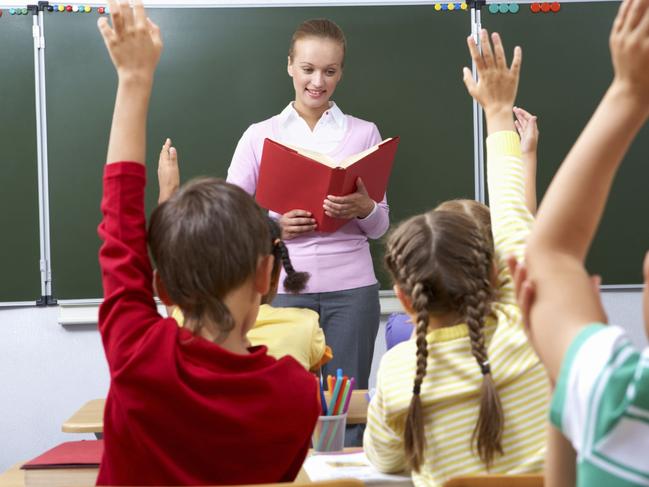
[(450, 6), (493, 8), (0, 12), (88, 9), (24, 11), (464, 6), (555, 6), (545, 7), (50, 8), (75, 8), (68, 8), (503, 8), (101, 10), (514, 8), (535, 7), (61, 8)]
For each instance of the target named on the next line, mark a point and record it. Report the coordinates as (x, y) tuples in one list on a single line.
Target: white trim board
[(86, 312)]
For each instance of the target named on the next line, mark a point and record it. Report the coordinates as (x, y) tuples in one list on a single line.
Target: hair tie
[(486, 369), (277, 242)]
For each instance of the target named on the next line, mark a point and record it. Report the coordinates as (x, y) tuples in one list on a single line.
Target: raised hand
[(528, 130), (134, 42), (168, 172), (629, 43), (497, 83)]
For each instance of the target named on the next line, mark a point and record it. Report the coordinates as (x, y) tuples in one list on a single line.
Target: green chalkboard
[(223, 69), (19, 245), (566, 69)]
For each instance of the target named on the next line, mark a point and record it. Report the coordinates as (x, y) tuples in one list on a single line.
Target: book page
[(357, 157), (350, 465), (328, 161), (316, 156)]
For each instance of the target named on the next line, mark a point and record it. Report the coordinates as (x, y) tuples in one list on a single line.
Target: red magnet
[(535, 7), (555, 6), (68, 8), (101, 10), (545, 7)]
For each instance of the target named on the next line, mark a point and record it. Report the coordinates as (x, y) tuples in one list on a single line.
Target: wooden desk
[(357, 413), (90, 417), (14, 477)]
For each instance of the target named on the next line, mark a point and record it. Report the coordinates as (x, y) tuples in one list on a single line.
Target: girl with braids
[(479, 397), (284, 331)]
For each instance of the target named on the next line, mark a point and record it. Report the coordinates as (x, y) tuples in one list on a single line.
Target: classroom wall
[(47, 371)]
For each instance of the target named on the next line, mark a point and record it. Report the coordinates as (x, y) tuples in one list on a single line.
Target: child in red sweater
[(190, 405)]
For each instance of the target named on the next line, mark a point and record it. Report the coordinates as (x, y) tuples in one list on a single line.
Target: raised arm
[(128, 309), (134, 45), (529, 132), (168, 172), (573, 205), (496, 91)]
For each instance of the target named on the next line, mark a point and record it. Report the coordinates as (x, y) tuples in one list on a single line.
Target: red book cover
[(290, 179), (71, 454)]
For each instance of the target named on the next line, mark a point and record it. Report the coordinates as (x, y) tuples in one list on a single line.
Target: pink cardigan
[(336, 261)]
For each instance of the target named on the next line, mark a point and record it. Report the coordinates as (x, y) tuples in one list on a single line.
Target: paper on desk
[(350, 465)]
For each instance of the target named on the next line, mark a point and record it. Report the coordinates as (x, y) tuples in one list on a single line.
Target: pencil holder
[(329, 433)]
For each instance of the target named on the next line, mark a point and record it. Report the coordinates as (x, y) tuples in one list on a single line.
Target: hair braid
[(487, 433), (414, 430), (294, 281)]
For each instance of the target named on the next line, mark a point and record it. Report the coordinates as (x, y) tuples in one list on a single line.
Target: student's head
[(441, 263), (316, 57), (209, 240), (294, 282)]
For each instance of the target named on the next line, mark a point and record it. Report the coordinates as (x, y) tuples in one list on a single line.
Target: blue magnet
[(493, 8)]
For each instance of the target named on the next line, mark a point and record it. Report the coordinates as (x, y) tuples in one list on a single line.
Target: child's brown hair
[(443, 260), (206, 240)]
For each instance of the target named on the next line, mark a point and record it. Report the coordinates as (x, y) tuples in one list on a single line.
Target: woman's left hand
[(355, 205)]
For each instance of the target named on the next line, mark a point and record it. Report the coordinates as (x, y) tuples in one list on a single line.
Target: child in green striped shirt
[(479, 399), (600, 404)]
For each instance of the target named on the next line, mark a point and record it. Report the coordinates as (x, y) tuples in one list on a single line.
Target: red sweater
[(181, 409)]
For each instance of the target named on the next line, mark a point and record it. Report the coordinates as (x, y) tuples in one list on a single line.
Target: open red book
[(291, 178)]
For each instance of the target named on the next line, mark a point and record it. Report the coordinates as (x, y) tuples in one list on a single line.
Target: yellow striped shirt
[(450, 392)]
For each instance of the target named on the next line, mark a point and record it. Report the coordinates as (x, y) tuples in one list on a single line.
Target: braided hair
[(443, 261), (294, 281)]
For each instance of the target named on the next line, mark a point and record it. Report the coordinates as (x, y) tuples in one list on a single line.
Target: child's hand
[(523, 287), (629, 43), (134, 41), (168, 172), (497, 84), (527, 129)]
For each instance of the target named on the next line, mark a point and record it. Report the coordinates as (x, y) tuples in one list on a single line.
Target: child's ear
[(160, 289), (404, 299), (263, 274)]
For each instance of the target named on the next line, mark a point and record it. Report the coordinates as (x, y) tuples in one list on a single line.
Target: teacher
[(343, 288)]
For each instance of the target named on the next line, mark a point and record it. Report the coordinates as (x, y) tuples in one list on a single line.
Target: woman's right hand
[(296, 222)]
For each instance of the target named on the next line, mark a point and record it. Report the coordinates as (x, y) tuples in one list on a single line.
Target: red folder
[(290, 180), (71, 454)]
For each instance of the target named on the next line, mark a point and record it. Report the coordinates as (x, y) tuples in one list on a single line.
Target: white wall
[(47, 371)]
